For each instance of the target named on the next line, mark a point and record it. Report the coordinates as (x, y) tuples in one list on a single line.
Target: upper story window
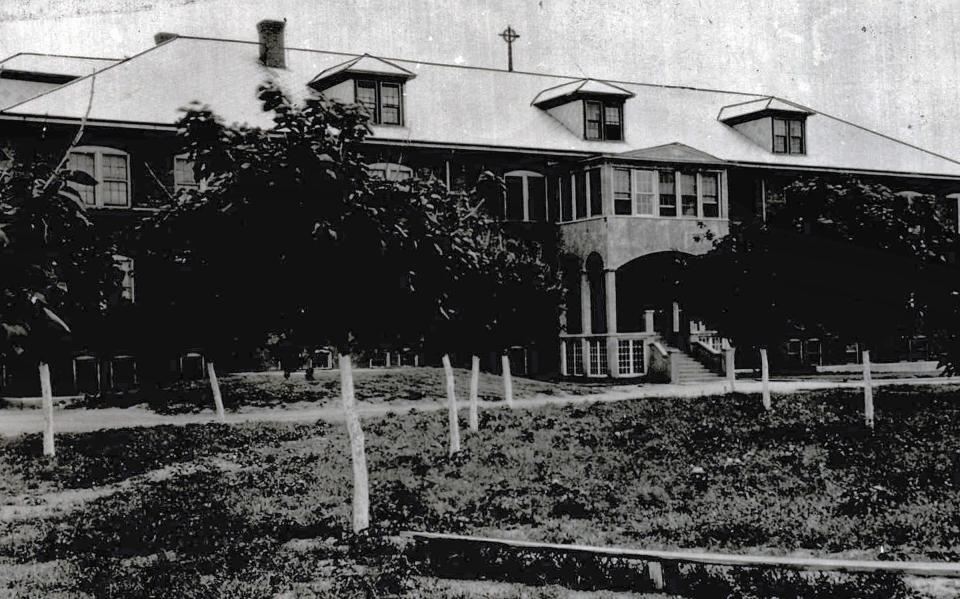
[(383, 99), (603, 120), (183, 174), (111, 168), (526, 196), (788, 136)]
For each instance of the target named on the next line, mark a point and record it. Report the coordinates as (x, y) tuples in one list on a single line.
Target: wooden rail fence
[(662, 565)]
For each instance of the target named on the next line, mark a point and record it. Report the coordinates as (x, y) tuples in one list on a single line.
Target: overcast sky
[(888, 64)]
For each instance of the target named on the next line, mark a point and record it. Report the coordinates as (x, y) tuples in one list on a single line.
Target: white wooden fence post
[(215, 387), (765, 379), (452, 416), (361, 486), (474, 393), (867, 391), (507, 380), (46, 390)]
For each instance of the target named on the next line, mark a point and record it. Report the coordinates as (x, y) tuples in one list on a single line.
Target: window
[(668, 193), (382, 99), (630, 356), (622, 194), (580, 194), (526, 196), (110, 168), (646, 190), (566, 201), (710, 192), (688, 194), (596, 197), (574, 350), (183, 177), (125, 266), (389, 171), (788, 136), (603, 120)]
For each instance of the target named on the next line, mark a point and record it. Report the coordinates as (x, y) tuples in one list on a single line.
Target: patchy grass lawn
[(257, 510), (270, 389)]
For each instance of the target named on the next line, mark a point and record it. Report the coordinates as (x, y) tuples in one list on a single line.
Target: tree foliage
[(58, 275), (843, 257), (291, 234)]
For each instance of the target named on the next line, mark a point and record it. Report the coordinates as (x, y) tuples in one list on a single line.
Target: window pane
[(711, 195), (580, 189), (596, 197), (566, 199), (688, 194), (114, 193), (514, 198), (612, 126), (779, 144), (390, 103), (779, 127), (668, 197), (183, 176), (367, 96), (537, 194), (593, 110), (82, 161), (114, 167), (622, 194), (796, 128)]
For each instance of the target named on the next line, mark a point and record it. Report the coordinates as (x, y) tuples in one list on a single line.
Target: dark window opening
[(580, 189), (603, 120), (596, 197), (382, 99), (788, 136), (514, 199), (566, 199), (537, 190)]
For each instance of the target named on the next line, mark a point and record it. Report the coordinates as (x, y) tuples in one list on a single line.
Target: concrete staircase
[(690, 370)]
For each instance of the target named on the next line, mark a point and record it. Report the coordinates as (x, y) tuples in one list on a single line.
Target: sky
[(891, 65)]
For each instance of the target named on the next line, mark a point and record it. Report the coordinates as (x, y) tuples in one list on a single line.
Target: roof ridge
[(60, 56), (481, 68)]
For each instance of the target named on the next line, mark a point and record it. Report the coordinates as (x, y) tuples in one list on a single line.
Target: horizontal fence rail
[(659, 558)]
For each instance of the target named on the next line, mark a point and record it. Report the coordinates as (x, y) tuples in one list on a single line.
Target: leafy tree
[(291, 234), (58, 275), (843, 257)]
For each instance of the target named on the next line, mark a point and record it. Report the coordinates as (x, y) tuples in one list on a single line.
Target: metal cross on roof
[(509, 36)]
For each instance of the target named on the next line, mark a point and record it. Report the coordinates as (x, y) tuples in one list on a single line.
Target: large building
[(629, 172)]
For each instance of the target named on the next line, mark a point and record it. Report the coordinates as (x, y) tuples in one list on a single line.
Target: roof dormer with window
[(375, 83), (592, 110), (777, 126)]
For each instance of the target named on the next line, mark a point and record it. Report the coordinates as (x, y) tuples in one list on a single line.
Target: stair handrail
[(660, 348), (706, 355)]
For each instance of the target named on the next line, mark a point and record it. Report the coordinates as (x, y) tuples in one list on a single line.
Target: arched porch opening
[(648, 292)]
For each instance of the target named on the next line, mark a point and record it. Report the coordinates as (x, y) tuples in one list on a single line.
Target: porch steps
[(690, 370)]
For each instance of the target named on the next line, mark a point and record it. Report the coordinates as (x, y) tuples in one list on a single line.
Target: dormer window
[(774, 124), (383, 99), (788, 136), (603, 120)]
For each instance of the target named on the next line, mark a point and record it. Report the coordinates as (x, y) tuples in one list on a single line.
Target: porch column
[(586, 324), (648, 321), (676, 317), (613, 362)]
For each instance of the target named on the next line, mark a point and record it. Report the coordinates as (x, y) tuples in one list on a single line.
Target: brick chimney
[(164, 36), (271, 43)]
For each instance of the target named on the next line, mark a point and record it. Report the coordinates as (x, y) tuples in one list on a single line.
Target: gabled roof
[(744, 111), (558, 94), (361, 65), (493, 109), (672, 152)]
